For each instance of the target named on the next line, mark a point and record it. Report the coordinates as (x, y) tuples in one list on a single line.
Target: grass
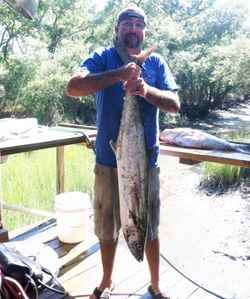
[(221, 177), (29, 180)]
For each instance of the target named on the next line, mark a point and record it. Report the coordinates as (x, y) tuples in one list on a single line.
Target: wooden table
[(56, 137), (190, 155)]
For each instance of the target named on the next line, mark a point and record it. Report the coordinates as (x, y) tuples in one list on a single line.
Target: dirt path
[(207, 237)]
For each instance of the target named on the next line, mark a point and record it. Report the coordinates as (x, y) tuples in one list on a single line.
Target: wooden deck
[(81, 270)]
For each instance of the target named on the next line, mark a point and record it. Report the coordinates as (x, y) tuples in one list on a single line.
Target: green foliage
[(220, 177), (15, 75), (216, 177), (209, 58), (14, 29), (205, 42)]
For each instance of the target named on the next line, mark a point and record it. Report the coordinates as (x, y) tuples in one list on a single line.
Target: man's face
[(131, 33)]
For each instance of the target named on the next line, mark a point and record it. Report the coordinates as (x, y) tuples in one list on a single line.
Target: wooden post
[(4, 237), (60, 169)]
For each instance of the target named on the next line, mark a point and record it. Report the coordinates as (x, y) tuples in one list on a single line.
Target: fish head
[(135, 239), (168, 135)]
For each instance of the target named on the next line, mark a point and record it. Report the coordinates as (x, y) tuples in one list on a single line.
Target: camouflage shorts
[(106, 203)]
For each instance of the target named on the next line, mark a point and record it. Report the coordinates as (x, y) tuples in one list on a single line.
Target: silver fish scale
[(132, 167)]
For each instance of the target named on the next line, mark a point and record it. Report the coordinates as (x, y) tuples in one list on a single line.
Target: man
[(103, 73)]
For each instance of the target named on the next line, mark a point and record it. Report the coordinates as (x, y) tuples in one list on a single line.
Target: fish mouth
[(137, 250), (137, 255)]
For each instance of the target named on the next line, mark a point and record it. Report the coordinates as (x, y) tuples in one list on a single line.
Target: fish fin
[(244, 149), (139, 59), (113, 145)]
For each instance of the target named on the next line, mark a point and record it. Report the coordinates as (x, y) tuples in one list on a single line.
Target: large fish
[(132, 167), (194, 138)]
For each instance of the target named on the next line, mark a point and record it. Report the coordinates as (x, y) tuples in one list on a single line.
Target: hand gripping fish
[(132, 167), (194, 138)]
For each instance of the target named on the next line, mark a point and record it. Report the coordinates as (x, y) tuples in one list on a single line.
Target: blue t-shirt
[(109, 102)]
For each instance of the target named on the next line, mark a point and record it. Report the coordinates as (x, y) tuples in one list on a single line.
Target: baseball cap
[(131, 12)]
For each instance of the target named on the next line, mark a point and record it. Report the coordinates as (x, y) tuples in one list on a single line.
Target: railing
[(57, 137)]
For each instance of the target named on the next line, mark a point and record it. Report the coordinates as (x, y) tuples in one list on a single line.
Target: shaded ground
[(224, 121), (207, 237)]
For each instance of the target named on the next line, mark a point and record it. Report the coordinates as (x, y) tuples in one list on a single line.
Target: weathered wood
[(52, 137), (77, 250), (60, 169), (83, 127), (4, 236), (81, 270), (223, 157), (201, 294)]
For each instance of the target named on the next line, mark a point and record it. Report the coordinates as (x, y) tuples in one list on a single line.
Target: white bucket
[(72, 215)]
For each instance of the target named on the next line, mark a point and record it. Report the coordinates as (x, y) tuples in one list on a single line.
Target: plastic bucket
[(72, 216)]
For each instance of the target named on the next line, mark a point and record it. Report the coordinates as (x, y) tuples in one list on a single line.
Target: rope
[(192, 281)]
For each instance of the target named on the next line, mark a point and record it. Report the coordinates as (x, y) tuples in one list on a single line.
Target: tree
[(206, 46)]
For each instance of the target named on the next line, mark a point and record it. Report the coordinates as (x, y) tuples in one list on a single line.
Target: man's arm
[(84, 83), (165, 100)]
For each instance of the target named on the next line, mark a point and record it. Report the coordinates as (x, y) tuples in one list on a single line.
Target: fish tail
[(113, 145), (244, 149), (138, 59)]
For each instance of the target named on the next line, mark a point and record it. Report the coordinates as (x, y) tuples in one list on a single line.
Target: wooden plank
[(201, 294), (224, 157), (4, 236), (31, 230), (169, 279), (183, 289), (83, 127), (44, 236), (49, 138), (77, 250), (81, 272)]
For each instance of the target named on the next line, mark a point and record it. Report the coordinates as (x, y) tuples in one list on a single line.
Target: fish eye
[(138, 246)]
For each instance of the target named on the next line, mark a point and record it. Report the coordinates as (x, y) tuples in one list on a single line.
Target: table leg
[(60, 169)]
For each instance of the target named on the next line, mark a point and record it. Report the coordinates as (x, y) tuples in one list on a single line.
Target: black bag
[(27, 272)]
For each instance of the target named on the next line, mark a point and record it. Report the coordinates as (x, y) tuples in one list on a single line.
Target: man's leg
[(107, 221), (152, 248), (153, 257), (108, 257)]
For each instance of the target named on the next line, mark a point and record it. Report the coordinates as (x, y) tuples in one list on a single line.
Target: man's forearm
[(83, 84), (165, 100)]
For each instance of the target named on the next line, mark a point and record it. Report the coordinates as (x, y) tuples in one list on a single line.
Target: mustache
[(130, 34)]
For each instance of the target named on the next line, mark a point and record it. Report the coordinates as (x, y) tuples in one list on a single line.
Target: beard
[(132, 41)]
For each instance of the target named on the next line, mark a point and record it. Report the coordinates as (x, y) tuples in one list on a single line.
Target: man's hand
[(130, 71), (136, 87)]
